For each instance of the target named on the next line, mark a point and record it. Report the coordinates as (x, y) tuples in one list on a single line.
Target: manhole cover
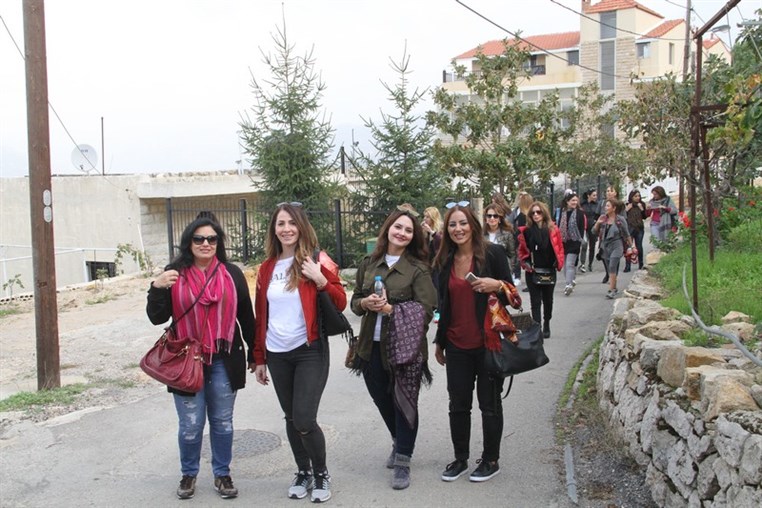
[(247, 443)]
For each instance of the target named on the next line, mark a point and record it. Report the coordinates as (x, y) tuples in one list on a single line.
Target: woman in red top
[(460, 339), (287, 339)]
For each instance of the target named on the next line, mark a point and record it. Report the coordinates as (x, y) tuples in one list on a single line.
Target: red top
[(464, 331)]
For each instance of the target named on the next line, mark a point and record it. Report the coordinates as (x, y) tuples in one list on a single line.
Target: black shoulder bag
[(331, 321)]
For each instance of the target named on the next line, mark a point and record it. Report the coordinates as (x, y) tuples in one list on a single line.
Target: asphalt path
[(127, 455)]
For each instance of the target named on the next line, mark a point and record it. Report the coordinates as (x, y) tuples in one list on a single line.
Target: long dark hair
[(416, 248), (447, 248), (632, 194), (185, 258)]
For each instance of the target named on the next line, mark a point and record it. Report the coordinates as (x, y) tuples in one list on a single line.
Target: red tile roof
[(663, 29), (708, 43), (616, 5), (548, 42)]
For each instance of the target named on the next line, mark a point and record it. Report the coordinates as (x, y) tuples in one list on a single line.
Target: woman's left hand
[(486, 285), (311, 270)]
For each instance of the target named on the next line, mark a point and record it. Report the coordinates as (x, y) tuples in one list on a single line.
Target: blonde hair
[(436, 217), (525, 201)]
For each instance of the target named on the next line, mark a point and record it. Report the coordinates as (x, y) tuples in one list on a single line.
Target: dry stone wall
[(690, 415)]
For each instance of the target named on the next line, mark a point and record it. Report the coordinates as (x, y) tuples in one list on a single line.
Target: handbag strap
[(174, 321)]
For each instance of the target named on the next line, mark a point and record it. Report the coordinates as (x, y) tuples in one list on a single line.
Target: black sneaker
[(187, 488), (484, 471), (322, 490), (302, 483), (454, 470), (224, 487)]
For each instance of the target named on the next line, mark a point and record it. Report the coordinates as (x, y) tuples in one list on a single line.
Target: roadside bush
[(747, 237)]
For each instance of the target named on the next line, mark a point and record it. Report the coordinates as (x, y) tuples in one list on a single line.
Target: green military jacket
[(409, 279)]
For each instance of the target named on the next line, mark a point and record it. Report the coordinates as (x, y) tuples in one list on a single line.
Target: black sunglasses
[(492, 216), (199, 240), (535, 212), (292, 203), (461, 204)]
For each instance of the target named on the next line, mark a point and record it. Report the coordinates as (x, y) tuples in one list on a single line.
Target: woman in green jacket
[(400, 259)]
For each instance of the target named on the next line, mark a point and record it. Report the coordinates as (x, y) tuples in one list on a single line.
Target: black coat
[(159, 310)]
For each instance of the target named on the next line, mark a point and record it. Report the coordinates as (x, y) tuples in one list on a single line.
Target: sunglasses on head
[(461, 204), (199, 240), (492, 216), (292, 203)]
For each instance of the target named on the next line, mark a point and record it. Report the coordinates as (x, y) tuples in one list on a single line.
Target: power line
[(50, 105), (676, 4), (541, 49), (605, 24)]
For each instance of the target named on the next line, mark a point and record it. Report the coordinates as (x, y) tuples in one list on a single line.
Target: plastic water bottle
[(378, 286)]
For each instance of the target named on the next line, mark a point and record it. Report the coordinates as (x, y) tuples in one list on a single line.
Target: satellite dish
[(85, 158)]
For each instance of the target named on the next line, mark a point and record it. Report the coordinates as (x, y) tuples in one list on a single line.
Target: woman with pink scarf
[(208, 299)]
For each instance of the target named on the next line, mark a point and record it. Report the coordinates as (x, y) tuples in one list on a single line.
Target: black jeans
[(540, 296), (637, 237), (380, 386), (592, 239), (464, 367), (299, 377)]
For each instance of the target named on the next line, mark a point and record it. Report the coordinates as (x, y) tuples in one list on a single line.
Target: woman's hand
[(260, 371), (628, 207), (486, 285), (439, 354), (426, 228), (374, 303), (311, 270), (166, 280)]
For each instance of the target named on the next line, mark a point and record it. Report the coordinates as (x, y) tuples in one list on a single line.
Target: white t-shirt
[(286, 328), (492, 237), (390, 260)]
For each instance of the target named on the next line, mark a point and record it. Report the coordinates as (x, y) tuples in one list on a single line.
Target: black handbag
[(513, 359), (544, 276), (331, 321)]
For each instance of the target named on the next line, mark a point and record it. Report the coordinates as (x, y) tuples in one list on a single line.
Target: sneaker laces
[(186, 482), (322, 481), (301, 479), (226, 482)]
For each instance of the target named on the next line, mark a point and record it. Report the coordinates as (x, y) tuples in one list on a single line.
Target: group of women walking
[(424, 267)]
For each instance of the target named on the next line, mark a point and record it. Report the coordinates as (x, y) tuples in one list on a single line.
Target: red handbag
[(175, 362)]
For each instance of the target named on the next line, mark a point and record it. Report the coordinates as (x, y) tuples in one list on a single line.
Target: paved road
[(127, 456)]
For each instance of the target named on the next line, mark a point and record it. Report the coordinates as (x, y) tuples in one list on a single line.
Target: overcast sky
[(171, 78)]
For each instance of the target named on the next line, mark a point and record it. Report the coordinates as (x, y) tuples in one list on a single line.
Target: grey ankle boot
[(390, 460), (401, 476)]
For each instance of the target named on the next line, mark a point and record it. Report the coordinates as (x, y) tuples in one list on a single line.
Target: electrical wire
[(676, 4), (539, 48), (60, 120), (582, 15)]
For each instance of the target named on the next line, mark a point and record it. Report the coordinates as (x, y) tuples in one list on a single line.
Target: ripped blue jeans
[(215, 400)]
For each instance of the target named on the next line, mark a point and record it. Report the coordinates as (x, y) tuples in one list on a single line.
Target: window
[(608, 25), (608, 65), (535, 65), (96, 268), (671, 53), (644, 49), (572, 57)]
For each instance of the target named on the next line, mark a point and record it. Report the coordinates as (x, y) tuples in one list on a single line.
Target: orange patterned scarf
[(497, 320)]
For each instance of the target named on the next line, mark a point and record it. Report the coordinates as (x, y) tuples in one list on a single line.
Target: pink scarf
[(212, 320)]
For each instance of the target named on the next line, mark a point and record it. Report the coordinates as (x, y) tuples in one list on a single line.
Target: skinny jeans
[(637, 236), (540, 297), (299, 377)]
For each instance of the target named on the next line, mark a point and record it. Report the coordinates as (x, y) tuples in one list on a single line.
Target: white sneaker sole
[(478, 479)]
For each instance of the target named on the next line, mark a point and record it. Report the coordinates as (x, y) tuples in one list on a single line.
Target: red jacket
[(555, 241), (307, 294)]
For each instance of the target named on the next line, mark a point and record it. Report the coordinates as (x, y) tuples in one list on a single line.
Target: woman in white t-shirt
[(406, 305), (287, 339)]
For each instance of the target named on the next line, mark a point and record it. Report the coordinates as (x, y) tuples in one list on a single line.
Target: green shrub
[(746, 237)]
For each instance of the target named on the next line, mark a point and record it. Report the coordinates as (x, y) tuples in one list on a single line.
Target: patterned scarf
[(212, 320), (569, 229), (406, 328), (497, 320), (665, 219)]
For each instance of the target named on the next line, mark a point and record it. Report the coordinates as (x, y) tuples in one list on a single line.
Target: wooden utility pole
[(41, 197), (686, 63)]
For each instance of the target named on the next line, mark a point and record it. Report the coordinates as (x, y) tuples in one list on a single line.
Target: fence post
[(170, 229), (339, 241), (552, 188), (244, 231)]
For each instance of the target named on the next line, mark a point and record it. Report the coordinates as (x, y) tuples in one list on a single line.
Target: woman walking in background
[(401, 262), (541, 249), (499, 231), (590, 207), (519, 220), (205, 296), (462, 337), (612, 192), (660, 209), (636, 213), (288, 339), (614, 235), (572, 226)]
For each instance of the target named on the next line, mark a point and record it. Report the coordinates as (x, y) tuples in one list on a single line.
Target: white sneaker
[(322, 490), (568, 290), (517, 282), (574, 283), (302, 483)]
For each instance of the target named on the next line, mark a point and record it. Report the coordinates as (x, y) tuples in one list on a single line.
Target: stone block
[(680, 421), (620, 380), (696, 376), (724, 394), (647, 311), (629, 336), (605, 383), (657, 483), (723, 472), (645, 291), (729, 440), (746, 497), (674, 361), (750, 469), (700, 446), (744, 331), (756, 393), (735, 317), (651, 351), (706, 481), (681, 468), (654, 256), (649, 422), (661, 448)]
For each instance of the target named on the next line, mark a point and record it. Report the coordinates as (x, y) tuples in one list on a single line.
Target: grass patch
[(732, 282), (9, 311), (101, 299), (567, 419), (133, 365), (56, 396)]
